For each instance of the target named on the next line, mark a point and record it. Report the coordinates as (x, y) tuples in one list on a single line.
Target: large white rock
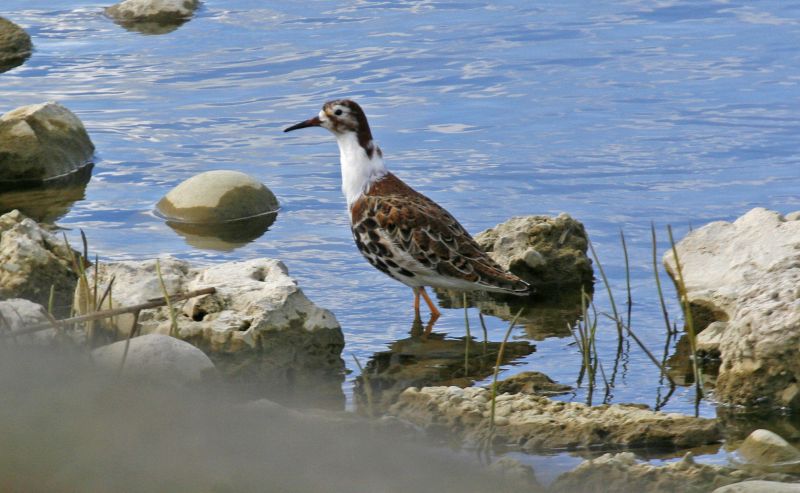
[(747, 274), (15, 45), (32, 260), (258, 321), (41, 142), (157, 358)]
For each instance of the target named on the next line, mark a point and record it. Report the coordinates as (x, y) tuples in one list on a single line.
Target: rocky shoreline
[(259, 327)]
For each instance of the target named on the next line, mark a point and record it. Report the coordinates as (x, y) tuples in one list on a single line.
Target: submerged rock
[(158, 359), (613, 473), (39, 143), (15, 45), (257, 324), (219, 209), (763, 448), (531, 382), (215, 197), (152, 16), (418, 362), (547, 252), (32, 260), (536, 423), (746, 274)]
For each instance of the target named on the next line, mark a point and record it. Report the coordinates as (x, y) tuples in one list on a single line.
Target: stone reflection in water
[(48, 204), (541, 318), (425, 361), (224, 237)]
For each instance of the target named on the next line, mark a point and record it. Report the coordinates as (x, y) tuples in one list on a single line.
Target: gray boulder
[(547, 252), (32, 260), (40, 143), (765, 449), (156, 358), (152, 16), (746, 274), (15, 45)]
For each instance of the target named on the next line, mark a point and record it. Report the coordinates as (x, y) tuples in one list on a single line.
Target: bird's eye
[(338, 112)]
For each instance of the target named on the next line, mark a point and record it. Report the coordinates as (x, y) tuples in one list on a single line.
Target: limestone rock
[(747, 274), (15, 45), (41, 142), (258, 322), (620, 472), (32, 260), (152, 16), (765, 448), (17, 314), (759, 486), (157, 358), (537, 423), (548, 252)]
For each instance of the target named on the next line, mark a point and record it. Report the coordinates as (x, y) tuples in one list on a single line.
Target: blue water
[(619, 113)]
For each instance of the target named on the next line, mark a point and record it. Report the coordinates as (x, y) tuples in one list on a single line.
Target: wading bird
[(401, 232)]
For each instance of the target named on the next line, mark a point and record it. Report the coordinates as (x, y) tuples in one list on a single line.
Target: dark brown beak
[(311, 122)]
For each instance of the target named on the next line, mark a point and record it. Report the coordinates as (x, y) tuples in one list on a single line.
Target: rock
[(31, 261), (537, 423), (759, 486), (157, 358), (747, 274), (217, 197), (219, 209), (511, 468), (531, 382), (15, 45), (258, 324), (547, 252), (767, 449), (620, 472), (17, 314), (39, 143), (418, 362), (709, 339), (152, 16)]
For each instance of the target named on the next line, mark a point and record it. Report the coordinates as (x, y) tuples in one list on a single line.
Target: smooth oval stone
[(15, 45), (215, 197)]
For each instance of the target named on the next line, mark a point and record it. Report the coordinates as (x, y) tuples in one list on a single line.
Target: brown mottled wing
[(434, 238)]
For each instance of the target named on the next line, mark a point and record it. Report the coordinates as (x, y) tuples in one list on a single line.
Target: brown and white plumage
[(401, 232)]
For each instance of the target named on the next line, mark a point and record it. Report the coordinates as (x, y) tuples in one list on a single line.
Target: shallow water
[(620, 114)]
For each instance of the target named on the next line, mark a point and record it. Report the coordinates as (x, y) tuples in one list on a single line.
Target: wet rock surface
[(15, 45), (746, 274), (767, 450), (41, 142), (547, 252), (31, 261), (152, 16), (536, 423), (258, 327), (531, 382), (621, 472), (434, 360), (219, 209), (157, 359)]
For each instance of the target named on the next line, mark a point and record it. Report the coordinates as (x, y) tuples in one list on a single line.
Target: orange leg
[(416, 304), (435, 313)]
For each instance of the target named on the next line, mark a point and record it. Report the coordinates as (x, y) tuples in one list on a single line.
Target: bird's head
[(340, 117)]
